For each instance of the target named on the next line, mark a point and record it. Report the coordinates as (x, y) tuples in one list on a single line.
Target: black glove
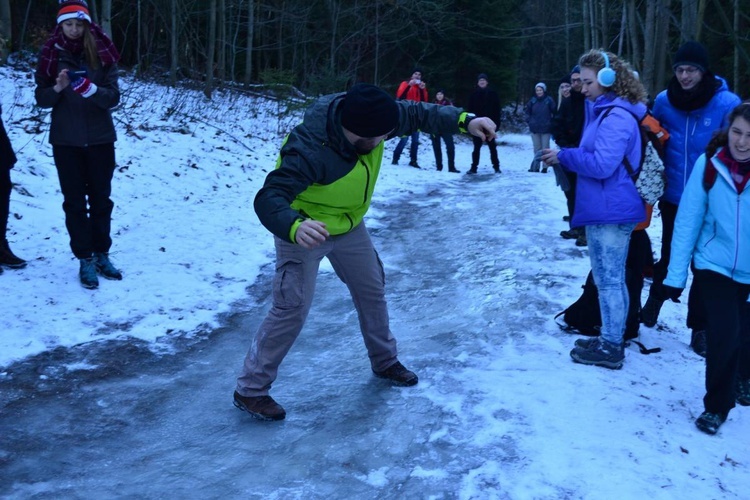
[(671, 293)]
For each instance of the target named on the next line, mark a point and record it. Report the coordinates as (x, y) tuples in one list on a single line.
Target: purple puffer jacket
[(605, 193)]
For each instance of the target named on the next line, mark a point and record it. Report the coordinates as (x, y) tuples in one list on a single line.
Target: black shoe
[(498, 171), (698, 342), (566, 218), (414, 164), (571, 234), (652, 307), (87, 274), (260, 407), (398, 374), (439, 169), (454, 171), (472, 171), (601, 353), (581, 241), (544, 170), (394, 161), (105, 268), (710, 422), (8, 259)]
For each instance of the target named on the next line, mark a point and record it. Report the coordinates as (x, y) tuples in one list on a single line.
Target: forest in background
[(322, 46)]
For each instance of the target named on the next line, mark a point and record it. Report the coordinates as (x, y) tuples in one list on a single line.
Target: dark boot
[(105, 267), (87, 274), (398, 375), (652, 307), (8, 258), (260, 407)]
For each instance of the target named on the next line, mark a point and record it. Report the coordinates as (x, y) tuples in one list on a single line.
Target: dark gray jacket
[(76, 120)]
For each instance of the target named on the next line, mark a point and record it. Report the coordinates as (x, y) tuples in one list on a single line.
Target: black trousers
[(5, 188), (86, 182), (478, 146), (696, 316), (727, 339)]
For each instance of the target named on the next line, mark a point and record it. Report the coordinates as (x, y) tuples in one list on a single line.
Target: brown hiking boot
[(8, 258), (260, 407), (398, 374)]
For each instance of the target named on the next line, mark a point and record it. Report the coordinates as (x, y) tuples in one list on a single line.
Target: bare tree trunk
[(688, 20), (586, 24), (699, 18), (736, 49), (173, 45), (567, 34), (603, 23), (5, 29), (208, 90), (635, 39), (221, 56), (107, 17), (249, 45), (623, 29), (662, 33), (648, 76), (138, 38)]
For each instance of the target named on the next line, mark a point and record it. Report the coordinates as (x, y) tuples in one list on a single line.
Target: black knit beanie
[(691, 54), (368, 111)]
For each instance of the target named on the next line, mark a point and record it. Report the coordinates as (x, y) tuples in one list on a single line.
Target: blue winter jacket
[(605, 193), (712, 228), (690, 133)]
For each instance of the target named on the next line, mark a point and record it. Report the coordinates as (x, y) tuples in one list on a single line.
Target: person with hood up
[(695, 104), (539, 113), (607, 202)]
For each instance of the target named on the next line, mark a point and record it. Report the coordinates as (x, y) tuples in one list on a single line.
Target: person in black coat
[(7, 160), (484, 102), (77, 77)]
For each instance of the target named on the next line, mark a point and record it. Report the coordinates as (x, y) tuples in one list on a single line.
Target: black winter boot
[(8, 258)]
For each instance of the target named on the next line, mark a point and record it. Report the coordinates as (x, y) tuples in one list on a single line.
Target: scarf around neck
[(106, 50), (740, 171), (695, 98)]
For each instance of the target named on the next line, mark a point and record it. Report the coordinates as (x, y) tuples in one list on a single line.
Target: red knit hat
[(73, 9)]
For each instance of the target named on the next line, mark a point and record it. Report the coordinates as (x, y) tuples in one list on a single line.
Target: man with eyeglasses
[(694, 105), (567, 127)]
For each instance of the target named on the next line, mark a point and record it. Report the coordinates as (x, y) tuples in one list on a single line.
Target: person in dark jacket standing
[(76, 76), (567, 127), (414, 89), (484, 102), (7, 160), (694, 106), (450, 148), (539, 113), (314, 203)]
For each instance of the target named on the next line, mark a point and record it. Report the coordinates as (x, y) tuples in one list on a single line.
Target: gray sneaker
[(603, 353), (587, 343)]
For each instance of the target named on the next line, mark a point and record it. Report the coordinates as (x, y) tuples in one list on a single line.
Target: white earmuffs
[(606, 76)]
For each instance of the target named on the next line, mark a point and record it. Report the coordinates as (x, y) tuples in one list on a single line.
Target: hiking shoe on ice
[(571, 234), (710, 422), (105, 268), (260, 407), (602, 353), (587, 343), (87, 274), (650, 310), (743, 392), (698, 342), (8, 258), (398, 374)]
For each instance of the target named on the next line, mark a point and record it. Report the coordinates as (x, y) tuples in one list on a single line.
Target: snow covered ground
[(476, 272)]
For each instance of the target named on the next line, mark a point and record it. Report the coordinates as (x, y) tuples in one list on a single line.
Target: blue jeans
[(412, 149), (608, 250)]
